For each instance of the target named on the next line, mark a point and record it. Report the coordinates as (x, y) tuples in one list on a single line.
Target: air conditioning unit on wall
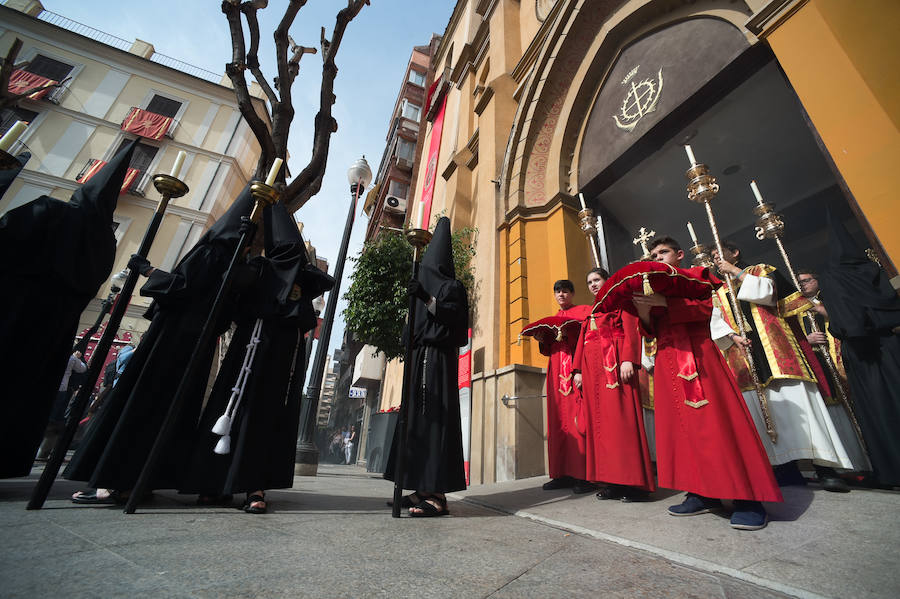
[(395, 204)]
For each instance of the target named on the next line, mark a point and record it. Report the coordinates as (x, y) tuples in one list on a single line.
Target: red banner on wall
[(146, 123), (434, 150), (21, 81)]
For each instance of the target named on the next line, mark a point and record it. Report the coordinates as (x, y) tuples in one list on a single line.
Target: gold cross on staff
[(643, 237)]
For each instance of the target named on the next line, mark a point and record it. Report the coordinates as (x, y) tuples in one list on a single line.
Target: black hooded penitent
[(864, 313), (56, 255), (116, 446), (434, 456), (264, 425)]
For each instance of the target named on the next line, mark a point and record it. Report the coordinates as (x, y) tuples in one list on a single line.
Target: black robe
[(265, 423), (115, 448), (56, 255), (434, 452), (864, 313)]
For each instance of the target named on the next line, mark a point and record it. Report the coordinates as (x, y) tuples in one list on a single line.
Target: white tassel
[(222, 425), (223, 447)]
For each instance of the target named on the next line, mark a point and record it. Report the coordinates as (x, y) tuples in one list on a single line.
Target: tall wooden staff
[(702, 188), (264, 194), (169, 187), (770, 225), (418, 238)]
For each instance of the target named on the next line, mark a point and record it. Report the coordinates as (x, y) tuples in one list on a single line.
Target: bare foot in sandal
[(430, 507), (256, 503)]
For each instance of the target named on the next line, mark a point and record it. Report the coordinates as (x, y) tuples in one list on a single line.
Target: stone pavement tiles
[(332, 536)]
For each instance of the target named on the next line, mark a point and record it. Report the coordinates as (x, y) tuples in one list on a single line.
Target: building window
[(405, 149), (164, 106), (9, 116), (50, 68), (140, 161), (416, 77), (411, 111), (398, 189)]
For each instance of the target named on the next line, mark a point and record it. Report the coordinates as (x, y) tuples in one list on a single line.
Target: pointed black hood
[(227, 227), (100, 194), (857, 292), (437, 263), (9, 175)]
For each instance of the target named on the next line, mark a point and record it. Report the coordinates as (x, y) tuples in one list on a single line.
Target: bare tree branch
[(249, 10), (235, 71), (288, 55), (308, 182)]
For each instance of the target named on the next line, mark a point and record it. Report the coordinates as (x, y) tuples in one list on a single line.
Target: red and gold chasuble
[(784, 355)]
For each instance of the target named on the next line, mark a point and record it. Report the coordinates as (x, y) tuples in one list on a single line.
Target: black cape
[(264, 425), (434, 453), (118, 442), (57, 254), (863, 311), (7, 176)]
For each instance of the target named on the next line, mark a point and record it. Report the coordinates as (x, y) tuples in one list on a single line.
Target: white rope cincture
[(223, 424)]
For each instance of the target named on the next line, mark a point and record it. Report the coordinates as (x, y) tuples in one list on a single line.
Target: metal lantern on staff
[(702, 188), (588, 223), (770, 225)]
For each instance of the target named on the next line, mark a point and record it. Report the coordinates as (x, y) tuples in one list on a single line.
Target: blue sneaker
[(694, 505), (749, 515)]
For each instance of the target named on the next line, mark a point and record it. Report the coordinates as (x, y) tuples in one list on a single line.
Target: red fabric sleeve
[(579, 348), (631, 349)]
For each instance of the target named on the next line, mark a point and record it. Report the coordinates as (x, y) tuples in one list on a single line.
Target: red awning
[(146, 124), (21, 81)]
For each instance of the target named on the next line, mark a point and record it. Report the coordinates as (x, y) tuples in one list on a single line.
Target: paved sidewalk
[(332, 536), (816, 544)]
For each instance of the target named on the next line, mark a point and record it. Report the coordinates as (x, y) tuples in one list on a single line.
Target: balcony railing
[(123, 44)]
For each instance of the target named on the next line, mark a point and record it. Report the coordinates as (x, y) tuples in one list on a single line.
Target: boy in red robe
[(607, 360), (565, 444), (706, 442)]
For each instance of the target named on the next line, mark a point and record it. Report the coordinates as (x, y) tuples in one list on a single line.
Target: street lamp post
[(106, 305), (359, 175)]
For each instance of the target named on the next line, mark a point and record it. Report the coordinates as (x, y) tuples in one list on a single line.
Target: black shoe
[(582, 486), (749, 515), (609, 492), (558, 483), (788, 475), (630, 495), (694, 505), (830, 480)]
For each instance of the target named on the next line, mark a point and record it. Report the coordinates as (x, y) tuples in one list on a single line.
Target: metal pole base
[(307, 460)]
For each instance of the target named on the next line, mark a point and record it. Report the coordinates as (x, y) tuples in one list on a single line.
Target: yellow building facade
[(81, 122), (548, 99)]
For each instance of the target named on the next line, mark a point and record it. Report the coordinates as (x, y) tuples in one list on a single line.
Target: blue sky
[(371, 62)]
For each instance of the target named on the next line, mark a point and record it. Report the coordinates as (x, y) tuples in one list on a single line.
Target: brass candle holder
[(588, 223), (418, 239), (702, 188), (770, 225), (265, 195), (702, 256), (168, 187)]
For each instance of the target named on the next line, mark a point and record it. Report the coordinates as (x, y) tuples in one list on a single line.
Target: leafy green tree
[(377, 304)]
